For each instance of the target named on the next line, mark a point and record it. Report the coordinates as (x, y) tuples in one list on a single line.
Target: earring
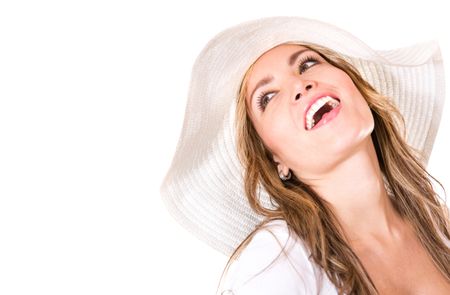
[(284, 178)]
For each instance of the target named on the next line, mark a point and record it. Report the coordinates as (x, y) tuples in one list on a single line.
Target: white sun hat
[(203, 188)]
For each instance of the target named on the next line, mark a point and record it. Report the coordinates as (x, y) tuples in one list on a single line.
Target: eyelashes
[(302, 67), (303, 61)]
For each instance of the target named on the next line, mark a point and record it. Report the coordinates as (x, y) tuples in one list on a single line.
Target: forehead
[(277, 52), (263, 64)]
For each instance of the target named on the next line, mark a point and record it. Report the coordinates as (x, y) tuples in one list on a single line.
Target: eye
[(304, 63), (263, 100)]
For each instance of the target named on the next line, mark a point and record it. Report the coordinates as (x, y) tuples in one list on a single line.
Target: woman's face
[(278, 112)]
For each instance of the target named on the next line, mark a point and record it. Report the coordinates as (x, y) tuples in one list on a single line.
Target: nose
[(302, 89)]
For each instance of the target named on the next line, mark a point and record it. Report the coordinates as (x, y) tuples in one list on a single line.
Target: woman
[(332, 139)]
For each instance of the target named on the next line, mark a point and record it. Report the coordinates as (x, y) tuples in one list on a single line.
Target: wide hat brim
[(203, 188)]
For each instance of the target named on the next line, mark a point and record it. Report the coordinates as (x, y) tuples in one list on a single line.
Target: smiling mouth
[(318, 110)]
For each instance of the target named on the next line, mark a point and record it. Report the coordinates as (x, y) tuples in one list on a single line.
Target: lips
[(313, 100)]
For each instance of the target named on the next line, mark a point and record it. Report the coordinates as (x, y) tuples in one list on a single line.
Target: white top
[(288, 275)]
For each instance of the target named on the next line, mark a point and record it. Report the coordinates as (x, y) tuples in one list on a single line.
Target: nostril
[(298, 96)]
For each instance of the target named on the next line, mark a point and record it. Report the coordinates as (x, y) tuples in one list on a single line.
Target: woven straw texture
[(203, 188)]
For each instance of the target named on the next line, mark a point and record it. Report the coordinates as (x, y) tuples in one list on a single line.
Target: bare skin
[(338, 160), (402, 267)]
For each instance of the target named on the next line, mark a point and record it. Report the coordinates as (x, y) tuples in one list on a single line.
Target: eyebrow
[(266, 80)]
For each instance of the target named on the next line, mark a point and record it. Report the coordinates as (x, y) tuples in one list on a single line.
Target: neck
[(361, 202)]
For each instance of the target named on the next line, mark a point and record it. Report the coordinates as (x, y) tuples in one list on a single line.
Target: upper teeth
[(316, 106)]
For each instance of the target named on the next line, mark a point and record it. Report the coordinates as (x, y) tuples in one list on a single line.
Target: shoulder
[(264, 268)]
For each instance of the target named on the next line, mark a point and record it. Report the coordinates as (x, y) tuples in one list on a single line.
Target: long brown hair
[(309, 216)]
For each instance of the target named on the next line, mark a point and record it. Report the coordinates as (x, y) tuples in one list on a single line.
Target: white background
[(92, 98)]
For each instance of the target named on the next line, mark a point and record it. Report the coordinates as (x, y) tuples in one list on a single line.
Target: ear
[(280, 166)]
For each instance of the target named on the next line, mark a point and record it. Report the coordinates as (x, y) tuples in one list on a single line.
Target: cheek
[(359, 112), (352, 95), (344, 81), (274, 134)]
